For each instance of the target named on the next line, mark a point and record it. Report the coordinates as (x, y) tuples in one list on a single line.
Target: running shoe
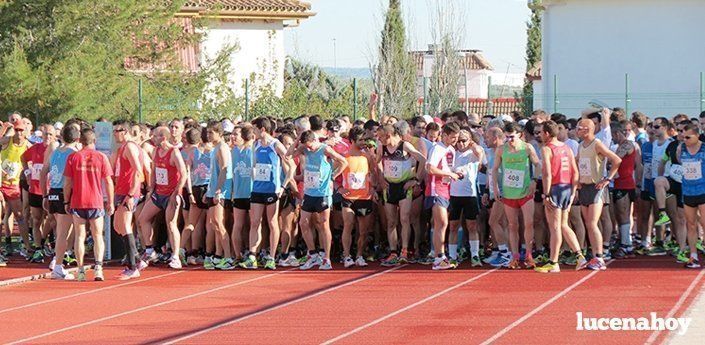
[(671, 246), (656, 251), (81, 275), (453, 263), (548, 268), (348, 262), (580, 262), (683, 256), (360, 262), (59, 273), (491, 258), (462, 254), (175, 263), (391, 261), (98, 273), (441, 264), (594, 264), (37, 257), (225, 265), (403, 259), (663, 219), (191, 261), (199, 260), (208, 263), (641, 250), (128, 274), (52, 264), (311, 260), (24, 254), (514, 264), (164, 257), (529, 263), (69, 259), (621, 253), (475, 261), (427, 260), (290, 261), (542, 257), (250, 263), (3, 262), (303, 259), (501, 261), (142, 265), (571, 259), (603, 265), (692, 263), (48, 249), (270, 263), (607, 255), (325, 265), (151, 257), (699, 246), (182, 257)]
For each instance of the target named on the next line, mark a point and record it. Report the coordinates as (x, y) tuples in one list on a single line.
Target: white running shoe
[(348, 262), (151, 257), (292, 261), (141, 265), (52, 264), (59, 273), (313, 260), (325, 265), (128, 274), (175, 262), (360, 262), (191, 261), (98, 273)]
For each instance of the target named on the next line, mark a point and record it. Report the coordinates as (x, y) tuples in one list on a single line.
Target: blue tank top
[(647, 154), (215, 170), (57, 163), (267, 169), (242, 172), (201, 167), (317, 173), (693, 168)]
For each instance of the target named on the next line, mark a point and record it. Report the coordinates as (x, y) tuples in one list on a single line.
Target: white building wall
[(590, 45), (261, 52)]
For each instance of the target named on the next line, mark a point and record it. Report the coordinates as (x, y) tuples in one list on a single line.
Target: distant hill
[(348, 73)]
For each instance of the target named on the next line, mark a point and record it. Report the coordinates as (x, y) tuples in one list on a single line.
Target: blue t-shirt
[(317, 173), (693, 167), (215, 171), (242, 172), (267, 169), (57, 164)]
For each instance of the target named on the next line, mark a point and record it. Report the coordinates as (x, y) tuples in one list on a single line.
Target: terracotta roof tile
[(473, 60), (274, 6)]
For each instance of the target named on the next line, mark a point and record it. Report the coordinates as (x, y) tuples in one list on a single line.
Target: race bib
[(692, 170), (648, 171), (584, 167), (312, 179), (392, 169), (161, 175), (676, 172), (356, 180), (514, 178), (36, 171), (263, 172)]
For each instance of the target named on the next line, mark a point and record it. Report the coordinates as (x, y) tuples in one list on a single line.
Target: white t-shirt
[(467, 163), (657, 156), (441, 157)]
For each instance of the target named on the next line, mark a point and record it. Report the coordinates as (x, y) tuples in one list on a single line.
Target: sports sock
[(453, 251), (624, 234), (474, 247)]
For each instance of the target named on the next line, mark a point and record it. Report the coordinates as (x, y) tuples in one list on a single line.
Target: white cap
[(428, 118), (523, 122), (58, 125), (228, 126), (506, 118)]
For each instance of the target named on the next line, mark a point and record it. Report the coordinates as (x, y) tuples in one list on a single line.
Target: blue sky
[(497, 27)]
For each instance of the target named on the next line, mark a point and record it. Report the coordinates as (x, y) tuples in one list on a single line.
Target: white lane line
[(109, 317), (678, 305), (87, 292), (273, 308), (399, 311), (541, 307)]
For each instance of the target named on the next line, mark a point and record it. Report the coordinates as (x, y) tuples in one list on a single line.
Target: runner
[(624, 192), (501, 257), (270, 160), (358, 194), (560, 179), (86, 172), (197, 161), (169, 178), (242, 155), (218, 197), (644, 219), (11, 170), (692, 156), (439, 176), (591, 160), (396, 157), (318, 176), (516, 159), (127, 161), (463, 196), (289, 205), (33, 161)]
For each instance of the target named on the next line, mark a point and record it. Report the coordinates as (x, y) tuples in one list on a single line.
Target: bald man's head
[(586, 128)]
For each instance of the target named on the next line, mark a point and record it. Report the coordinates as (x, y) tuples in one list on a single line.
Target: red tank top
[(561, 169), (125, 173), (625, 173), (166, 175)]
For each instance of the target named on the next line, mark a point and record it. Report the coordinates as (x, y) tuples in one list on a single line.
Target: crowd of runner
[(501, 191)]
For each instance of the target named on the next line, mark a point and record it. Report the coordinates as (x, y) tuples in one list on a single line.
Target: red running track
[(410, 304)]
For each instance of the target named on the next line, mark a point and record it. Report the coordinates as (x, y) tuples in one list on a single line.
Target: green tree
[(61, 59), (394, 74), (533, 50)]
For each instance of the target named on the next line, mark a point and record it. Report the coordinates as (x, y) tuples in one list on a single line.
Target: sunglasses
[(537, 133), (463, 141), (582, 128), (688, 137), (118, 130), (657, 127), (475, 126), (511, 137)]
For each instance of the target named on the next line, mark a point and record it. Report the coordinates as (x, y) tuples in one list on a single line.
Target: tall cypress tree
[(395, 74), (533, 47)]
